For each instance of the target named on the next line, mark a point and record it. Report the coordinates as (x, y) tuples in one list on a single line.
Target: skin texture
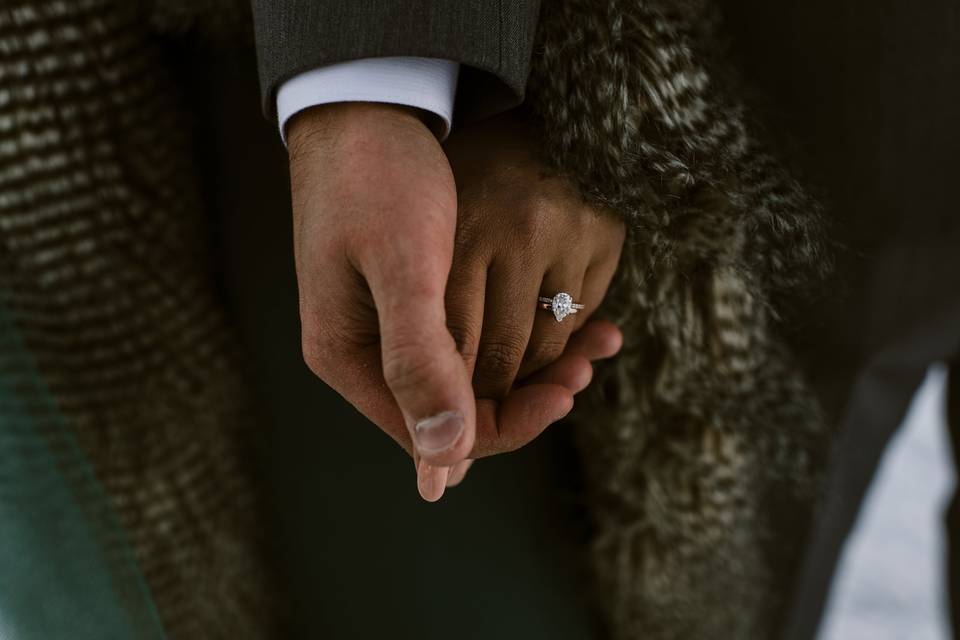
[(422, 316)]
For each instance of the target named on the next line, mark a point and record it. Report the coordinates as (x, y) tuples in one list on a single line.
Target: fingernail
[(431, 481), (438, 433)]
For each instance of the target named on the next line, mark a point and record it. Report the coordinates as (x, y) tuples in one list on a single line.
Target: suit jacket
[(492, 39)]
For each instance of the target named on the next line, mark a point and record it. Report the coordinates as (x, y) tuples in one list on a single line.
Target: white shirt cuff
[(426, 83)]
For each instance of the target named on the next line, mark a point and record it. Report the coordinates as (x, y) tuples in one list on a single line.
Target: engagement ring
[(561, 304)]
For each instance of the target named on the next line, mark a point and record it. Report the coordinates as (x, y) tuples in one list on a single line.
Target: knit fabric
[(104, 273), (703, 445)]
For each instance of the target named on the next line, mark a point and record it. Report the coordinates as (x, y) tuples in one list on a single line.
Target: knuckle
[(533, 215), (499, 359), (547, 213), (408, 365), (317, 353), (313, 357), (323, 345), (543, 352)]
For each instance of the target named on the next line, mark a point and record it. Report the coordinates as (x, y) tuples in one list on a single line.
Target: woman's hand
[(520, 236)]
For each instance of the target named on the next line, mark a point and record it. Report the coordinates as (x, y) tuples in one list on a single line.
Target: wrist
[(323, 124)]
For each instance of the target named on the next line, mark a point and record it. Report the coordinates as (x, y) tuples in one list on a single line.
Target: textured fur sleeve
[(703, 462)]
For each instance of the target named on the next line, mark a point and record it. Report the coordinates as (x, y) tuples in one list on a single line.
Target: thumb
[(421, 365)]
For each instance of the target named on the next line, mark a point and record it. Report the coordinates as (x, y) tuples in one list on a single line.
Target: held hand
[(375, 215), (374, 208), (522, 236)]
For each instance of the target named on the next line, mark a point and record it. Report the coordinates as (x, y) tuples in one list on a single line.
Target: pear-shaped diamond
[(562, 305)]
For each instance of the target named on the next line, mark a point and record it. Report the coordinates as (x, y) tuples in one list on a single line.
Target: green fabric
[(66, 570)]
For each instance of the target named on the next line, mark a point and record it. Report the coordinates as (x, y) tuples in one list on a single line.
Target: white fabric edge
[(425, 83)]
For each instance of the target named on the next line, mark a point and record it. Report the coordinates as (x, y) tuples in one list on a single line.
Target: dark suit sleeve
[(492, 38)]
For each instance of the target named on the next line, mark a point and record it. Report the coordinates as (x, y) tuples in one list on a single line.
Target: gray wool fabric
[(702, 442)]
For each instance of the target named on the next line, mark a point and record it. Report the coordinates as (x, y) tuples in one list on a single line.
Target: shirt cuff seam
[(430, 88)]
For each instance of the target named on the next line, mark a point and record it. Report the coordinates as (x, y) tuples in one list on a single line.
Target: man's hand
[(375, 214)]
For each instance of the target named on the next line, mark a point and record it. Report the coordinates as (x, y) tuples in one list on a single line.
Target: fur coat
[(702, 444)]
